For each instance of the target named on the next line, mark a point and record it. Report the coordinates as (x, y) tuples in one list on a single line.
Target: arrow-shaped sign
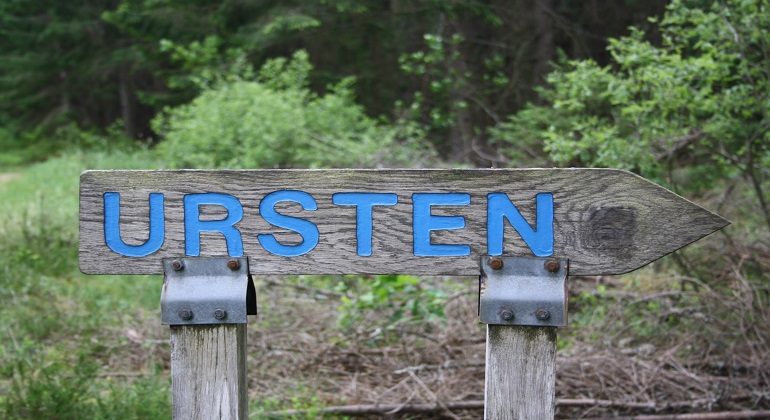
[(429, 222)]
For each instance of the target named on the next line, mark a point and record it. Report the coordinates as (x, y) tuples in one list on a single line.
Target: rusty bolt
[(233, 264), (185, 314), (220, 313), (177, 265), (552, 266), (496, 263), (506, 314), (542, 314)]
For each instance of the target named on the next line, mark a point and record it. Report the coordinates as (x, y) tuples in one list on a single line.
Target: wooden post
[(206, 303), (208, 372), (520, 372)]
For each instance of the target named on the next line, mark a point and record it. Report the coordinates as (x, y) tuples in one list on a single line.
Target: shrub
[(275, 121)]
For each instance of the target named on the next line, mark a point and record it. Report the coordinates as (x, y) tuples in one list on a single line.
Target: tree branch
[(725, 415), (382, 409)]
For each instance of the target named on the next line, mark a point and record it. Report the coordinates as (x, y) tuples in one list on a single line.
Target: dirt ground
[(298, 357), (7, 176)]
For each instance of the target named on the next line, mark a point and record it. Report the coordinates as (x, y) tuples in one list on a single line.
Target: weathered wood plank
[(520, 380), (605, 221), (208, 372)]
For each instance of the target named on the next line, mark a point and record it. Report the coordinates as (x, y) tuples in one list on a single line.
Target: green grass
[(53, 319)]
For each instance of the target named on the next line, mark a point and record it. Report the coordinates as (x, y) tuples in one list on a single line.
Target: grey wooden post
[(206, 301), (208, 372), (522, 301), (520, 372)]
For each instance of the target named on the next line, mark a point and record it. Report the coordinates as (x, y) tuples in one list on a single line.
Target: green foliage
[(55, 389), (145, 398), (405, 300), (520, 137), (450, 90), (588, 308), (61, 64), (689, 111), (20, 147), (279, 22), (91, 63), (204, 65), (438, 64), (47, 385), (275, 121), (52, 317), (302, 399)]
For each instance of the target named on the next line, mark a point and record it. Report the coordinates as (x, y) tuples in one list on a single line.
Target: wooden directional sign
[(429, 222)]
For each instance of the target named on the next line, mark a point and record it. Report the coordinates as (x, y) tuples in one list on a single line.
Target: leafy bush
[(275, 121), (689, 112), (404, 299)]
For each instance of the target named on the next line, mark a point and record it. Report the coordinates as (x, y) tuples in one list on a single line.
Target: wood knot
[(610, 228)]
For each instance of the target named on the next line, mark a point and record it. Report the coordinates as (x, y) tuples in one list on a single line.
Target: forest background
[(677, 92)]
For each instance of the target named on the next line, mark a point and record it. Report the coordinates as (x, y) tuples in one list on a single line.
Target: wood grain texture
[(520, 381), (605, 221), (208, 372)]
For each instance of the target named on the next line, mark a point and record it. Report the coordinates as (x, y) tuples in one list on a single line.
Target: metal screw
[(220, 313), (177, 265), (506, 314), (542, 314), (233, 264), (496, 263), (185, 314), (552, 266)]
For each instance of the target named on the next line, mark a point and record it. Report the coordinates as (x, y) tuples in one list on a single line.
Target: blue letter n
[(539, 240)]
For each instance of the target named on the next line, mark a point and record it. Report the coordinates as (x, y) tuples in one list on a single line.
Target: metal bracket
[(523, 291), (207, 291)]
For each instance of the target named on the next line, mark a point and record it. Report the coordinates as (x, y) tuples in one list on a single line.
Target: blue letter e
[(423, 223)]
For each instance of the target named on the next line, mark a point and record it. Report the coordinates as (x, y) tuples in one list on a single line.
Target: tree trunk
[(544, 42), (126, 102)]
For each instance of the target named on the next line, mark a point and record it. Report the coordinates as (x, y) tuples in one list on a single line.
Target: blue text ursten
[(539, 239)]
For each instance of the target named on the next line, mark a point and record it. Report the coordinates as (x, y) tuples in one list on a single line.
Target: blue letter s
[(307, 229)]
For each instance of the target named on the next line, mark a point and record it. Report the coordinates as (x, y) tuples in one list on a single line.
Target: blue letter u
[(112, 226)]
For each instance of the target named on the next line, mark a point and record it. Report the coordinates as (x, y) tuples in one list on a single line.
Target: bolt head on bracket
[(523, 291)]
